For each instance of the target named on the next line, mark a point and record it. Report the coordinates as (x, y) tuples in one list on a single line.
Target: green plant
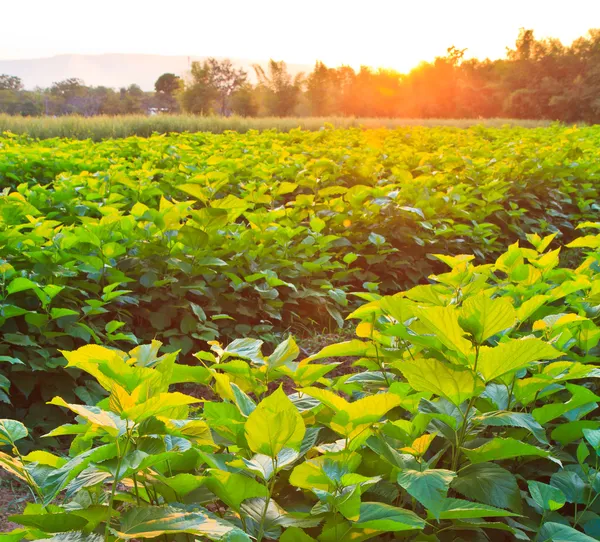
[(472, 418), (192, 238)]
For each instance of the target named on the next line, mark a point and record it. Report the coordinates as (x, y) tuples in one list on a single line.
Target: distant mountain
[(113, 70)]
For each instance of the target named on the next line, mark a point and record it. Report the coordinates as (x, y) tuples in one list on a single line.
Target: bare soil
[(13, 498)]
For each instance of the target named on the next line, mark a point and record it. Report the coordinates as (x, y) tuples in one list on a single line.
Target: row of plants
[(198, 237), (471, 416)]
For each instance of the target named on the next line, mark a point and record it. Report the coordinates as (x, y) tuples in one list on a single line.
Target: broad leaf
[(455, 383), (11, 431), (547, 497), (443, 323), (483, 317), (461, 509), (383, 517), (512, 355), (489, 483), (273, 425), (153, 521), (557, 532), (502, 448), (429, 486)]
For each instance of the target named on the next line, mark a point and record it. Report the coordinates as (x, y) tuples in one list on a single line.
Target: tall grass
[(104, 127)]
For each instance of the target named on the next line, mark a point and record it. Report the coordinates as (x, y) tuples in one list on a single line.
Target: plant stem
[(463, 430), (135, 486), (270, 486), (114, 489), (379, 362), (33, 487)]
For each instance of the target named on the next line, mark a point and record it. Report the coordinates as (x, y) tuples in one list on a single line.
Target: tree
[(212, 84), (68, 88), (227, 80), (319, 90), (167, 87), (10, 82), (280, 90), (168, 84), (200, 91), (244, 101), (133, 99)]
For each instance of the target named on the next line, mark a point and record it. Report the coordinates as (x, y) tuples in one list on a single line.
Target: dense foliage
[(471, 418), (538, 79), (188, 239)]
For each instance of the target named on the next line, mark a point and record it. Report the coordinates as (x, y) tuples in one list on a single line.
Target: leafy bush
[(472, 418)]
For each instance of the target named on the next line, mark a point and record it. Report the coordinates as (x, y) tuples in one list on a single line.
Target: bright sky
[(387, 33)]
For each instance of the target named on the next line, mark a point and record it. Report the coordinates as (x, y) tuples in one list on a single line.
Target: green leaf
[(582, 453), (273, 425), (96, 416), (60, 313), (572, 486), (557, 532), (513, 419), (249, 349), (153, 521), (490, 484), (294, 534), (233, 489), (386, 518), (51, 523), (243, 401), (483, 317), (11, 360), (163, 404), (45, 458), (348, 348), (317, 224), (285, 352), (75, 536), (572, 431), (429, 486), (19, 339), (545, 496), (59, 478), (580, 396), (189, 373), (502, 448), (195, 190), (20, 284), (455, 383), (11, 431), (443, 323), (461, 509), (593, 437), (512, 355)]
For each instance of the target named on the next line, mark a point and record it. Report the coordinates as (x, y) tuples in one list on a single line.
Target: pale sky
[(382, 33)]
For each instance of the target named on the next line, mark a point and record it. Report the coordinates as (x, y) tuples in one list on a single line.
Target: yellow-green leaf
[(513, 355), (273, 425), (454, 383)]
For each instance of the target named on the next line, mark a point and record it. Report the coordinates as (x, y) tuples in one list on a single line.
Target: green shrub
[(472, 417)]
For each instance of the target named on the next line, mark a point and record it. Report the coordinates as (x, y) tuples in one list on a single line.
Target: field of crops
[(153, 286), (104, 126)]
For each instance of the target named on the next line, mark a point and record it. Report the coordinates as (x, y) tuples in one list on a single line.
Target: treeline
[(538, 79)]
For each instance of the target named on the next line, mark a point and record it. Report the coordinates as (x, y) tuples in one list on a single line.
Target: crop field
[(162, 296), (106, 126)]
